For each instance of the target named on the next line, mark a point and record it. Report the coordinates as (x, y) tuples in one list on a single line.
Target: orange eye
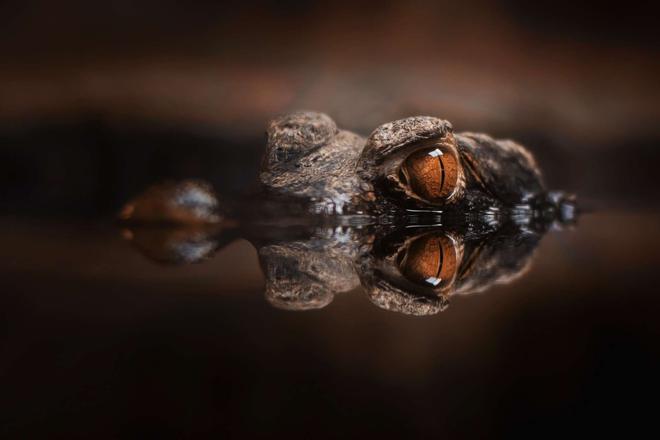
[(431, 174), (429, 260)]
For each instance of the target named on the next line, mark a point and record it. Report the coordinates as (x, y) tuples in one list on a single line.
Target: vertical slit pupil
[(422, 260), (424, 172)]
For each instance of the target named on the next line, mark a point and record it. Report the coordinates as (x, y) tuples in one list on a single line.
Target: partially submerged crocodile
[(406, 167), (414, 213)]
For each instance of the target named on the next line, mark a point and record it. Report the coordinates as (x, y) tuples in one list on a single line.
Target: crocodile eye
[(429, 260), (431, 174)]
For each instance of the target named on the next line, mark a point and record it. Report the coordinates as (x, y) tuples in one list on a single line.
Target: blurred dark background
[(100, 99)]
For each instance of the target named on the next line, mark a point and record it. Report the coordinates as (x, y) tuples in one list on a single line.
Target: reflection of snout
[(174, 245)]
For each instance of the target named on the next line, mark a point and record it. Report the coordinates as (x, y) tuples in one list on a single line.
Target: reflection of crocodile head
[(409, 270)]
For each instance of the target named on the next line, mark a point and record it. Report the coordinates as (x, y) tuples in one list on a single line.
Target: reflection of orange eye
[(429, 260), (431, 174)]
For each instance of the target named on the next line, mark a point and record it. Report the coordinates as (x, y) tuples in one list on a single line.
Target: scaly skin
[(354, 201), (339, 172), (312, 167)]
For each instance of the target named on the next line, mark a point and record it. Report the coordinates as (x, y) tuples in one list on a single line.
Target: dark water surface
[(101, 100), (98, 341)]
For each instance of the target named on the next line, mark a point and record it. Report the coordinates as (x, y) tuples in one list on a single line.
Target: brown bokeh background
[(571, 70)]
